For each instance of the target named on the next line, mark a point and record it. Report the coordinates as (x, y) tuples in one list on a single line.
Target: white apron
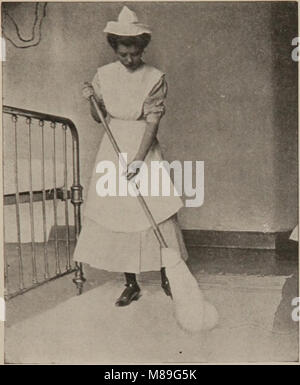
[(124, 93)]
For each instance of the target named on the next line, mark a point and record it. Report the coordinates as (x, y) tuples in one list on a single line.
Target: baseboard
[(221, 239), (240, 239)]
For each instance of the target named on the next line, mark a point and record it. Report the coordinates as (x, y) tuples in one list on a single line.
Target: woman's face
[(129, 56)]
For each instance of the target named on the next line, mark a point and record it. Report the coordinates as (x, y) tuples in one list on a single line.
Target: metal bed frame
[(74, 194)]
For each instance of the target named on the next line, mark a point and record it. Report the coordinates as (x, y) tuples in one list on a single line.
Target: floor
[(252, 291)]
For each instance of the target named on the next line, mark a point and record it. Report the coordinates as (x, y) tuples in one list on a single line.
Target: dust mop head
[(192, 312)]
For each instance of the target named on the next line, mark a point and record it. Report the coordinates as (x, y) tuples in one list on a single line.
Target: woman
[(116, 234)]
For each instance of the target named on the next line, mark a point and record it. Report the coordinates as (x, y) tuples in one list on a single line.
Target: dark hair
[(140, 41)]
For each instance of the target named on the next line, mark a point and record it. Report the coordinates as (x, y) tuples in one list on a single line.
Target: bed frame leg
[(79, 278)]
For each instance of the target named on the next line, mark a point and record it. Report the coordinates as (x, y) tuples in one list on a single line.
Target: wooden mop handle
[(141, 199)]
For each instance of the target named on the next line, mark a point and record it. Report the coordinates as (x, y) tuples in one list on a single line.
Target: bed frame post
[(76, 199)]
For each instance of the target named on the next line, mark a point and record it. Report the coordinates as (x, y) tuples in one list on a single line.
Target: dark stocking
[(163, 274), (130, 278), (165, 282)]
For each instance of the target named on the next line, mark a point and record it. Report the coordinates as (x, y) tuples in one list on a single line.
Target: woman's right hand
[(87, 90)]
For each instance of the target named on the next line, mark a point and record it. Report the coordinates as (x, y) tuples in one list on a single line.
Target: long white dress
[(116, 234)]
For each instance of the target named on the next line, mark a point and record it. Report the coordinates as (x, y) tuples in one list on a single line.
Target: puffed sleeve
[(97, 87), (98, 97), (154, 107)]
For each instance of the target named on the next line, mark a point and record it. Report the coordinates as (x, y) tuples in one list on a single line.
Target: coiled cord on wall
[(33, 33)]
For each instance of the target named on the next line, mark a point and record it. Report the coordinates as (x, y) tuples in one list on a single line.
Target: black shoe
[(131, 293), (165, 284)]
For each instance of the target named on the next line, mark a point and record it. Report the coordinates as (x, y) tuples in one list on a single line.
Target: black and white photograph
[(150, 183)]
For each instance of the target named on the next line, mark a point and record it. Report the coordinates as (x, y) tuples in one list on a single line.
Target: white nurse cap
[(127, 24)]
